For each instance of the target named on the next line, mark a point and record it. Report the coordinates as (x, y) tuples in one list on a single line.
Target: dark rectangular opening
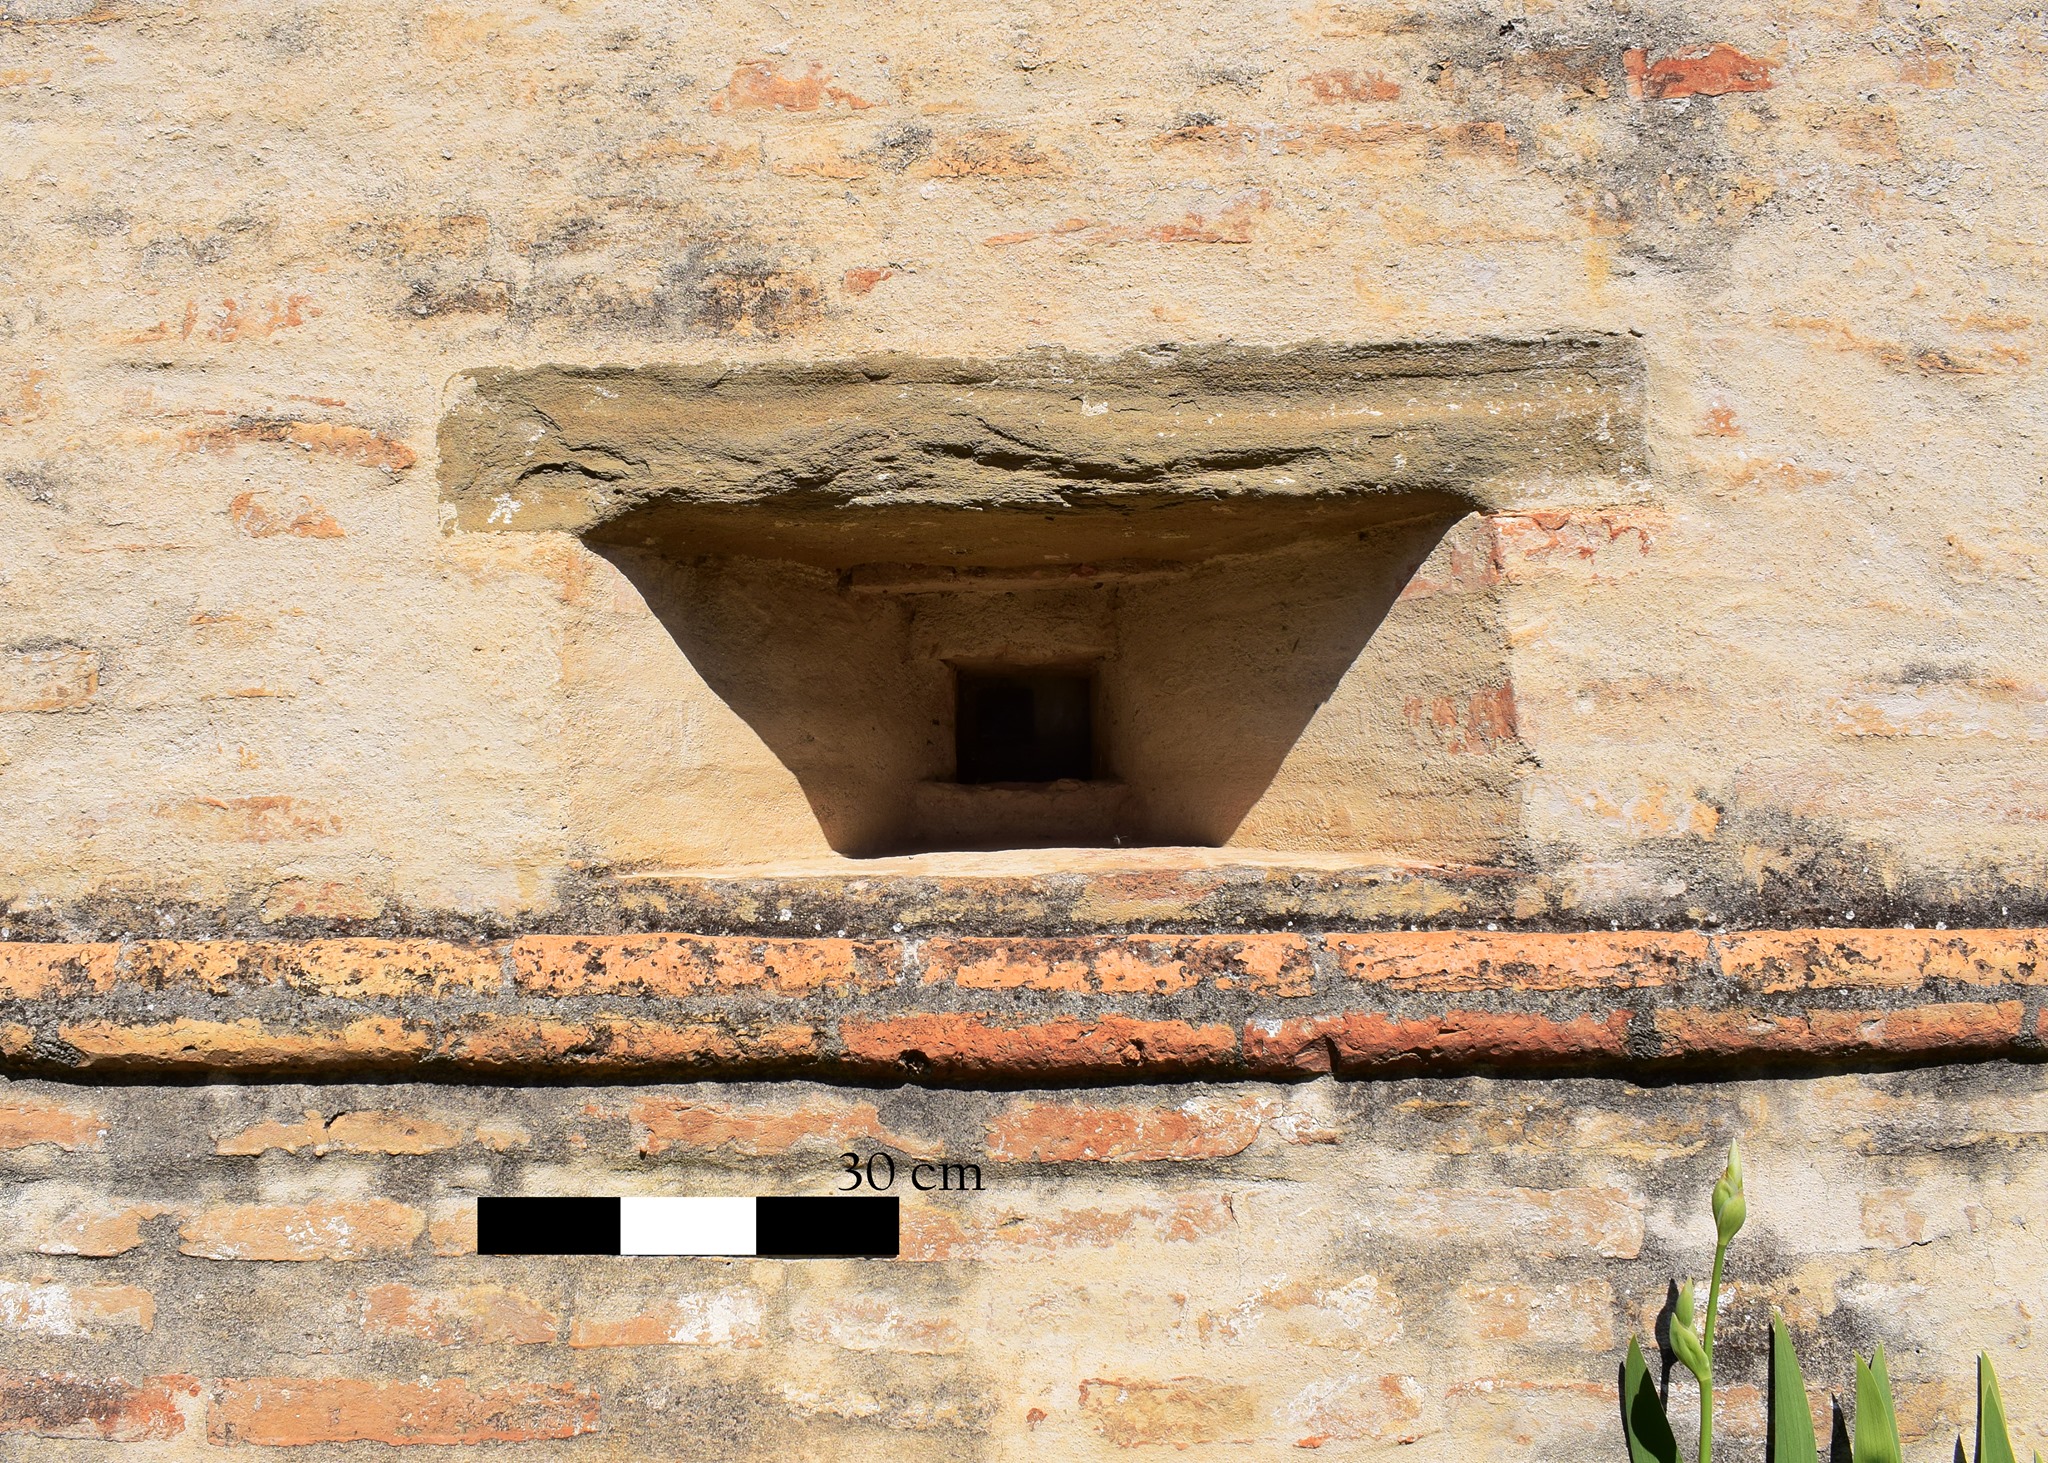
[(1024, 725)]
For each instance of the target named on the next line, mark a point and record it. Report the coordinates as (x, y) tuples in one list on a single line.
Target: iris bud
[(1730, 1205)]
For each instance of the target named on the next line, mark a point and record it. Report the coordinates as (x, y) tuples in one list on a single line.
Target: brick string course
[(1025, 1010)]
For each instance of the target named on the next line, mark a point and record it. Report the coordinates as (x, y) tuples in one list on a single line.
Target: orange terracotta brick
[(188, 965), (1717, 71), (761, 1131), (47, 1308), (730, 1317), (107, 1409), (1782, 961), (1578, 1314), (27, 1122), (381, 969), (1390, 1410), (1465, 960), (99, 1233), (1965, 1028), (258, 1138), (1061, 1132), (296, 1411), (451, 1227), (873, 1323), (1123, 964), (683, 965), (349, 1229), (963, 1045), (31, 971), (474, 1315), (1367, 1041), (609, 1044), (188, 1045), (1179, 1411), (930, 1233)]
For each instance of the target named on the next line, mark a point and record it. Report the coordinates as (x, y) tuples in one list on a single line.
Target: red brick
[(248, 1045), (761, 86), (863, 281), (1059, 1132), (1779, 961), (1578, 1314), (1386, 1409), (47, 1308), (1712, 73), (967, 1045), (472, 1315), (1350, 86), (729, 1317), (338, 439), (294, 1411), (1123, 964), (763, 1131), (58, 1405), (451, 1227), (930, 1233), (1964, 1028), (1179, 1411), (1473, 724), (874, 1323), (1465, 960), (31, 972), (99, 1232), (683, 965), (1367, 1041), (622, 1044), (26, 1122), (347, 1229)]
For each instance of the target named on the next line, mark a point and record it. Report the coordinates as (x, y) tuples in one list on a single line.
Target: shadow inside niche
[(1204, 677)]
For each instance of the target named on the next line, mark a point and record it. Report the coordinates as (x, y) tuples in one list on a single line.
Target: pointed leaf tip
[(1994, 1441), (1877, 1423), (1792, 1439)]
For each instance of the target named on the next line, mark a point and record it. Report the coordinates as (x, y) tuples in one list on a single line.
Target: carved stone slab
[(1046, 458)]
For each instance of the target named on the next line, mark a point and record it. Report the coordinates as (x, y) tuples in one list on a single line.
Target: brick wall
[(1794, 674), (1415, 1268), (302, 782)]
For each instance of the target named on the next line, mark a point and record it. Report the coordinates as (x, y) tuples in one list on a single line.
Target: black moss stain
[(715, 289), (1668, 180)]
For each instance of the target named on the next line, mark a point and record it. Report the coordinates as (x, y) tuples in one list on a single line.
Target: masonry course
[(1057, 1009)]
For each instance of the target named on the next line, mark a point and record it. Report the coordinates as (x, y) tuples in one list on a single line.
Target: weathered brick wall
[(301, 780), (244, 673), (1419, 1269)]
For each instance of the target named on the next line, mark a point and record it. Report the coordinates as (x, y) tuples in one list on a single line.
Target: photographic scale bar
[(781, 1227)]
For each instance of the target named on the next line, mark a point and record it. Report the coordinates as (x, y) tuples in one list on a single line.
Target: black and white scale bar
[(777, 1228)]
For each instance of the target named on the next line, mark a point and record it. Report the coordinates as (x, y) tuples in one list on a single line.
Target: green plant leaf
[(1791, 1416), (1994, 1443), (1877, 1424), (1642, 1413)]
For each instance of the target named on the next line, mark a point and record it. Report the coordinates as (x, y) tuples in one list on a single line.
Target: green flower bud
[(1688, 1348), (1730, 1206), (1681, 1309)]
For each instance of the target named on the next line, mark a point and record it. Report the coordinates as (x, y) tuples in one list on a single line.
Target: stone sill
[(1026, 1011)]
